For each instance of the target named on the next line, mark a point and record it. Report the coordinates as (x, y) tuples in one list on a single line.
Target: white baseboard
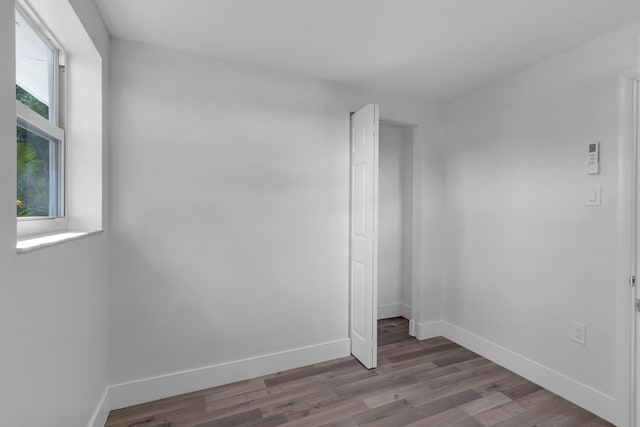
[(581, 394), (149, 389), (386, 311), (101, 413), (426, 330)]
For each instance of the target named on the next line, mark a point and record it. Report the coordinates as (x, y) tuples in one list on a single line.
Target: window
[(59, 125), (40, 135)]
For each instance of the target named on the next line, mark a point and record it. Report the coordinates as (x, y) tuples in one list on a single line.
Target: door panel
[(358, 218), (363, 251), (358, 285)]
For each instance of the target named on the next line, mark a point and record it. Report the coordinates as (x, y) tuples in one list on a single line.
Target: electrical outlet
[(579, 332)]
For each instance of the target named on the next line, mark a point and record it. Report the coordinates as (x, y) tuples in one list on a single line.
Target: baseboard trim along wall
[(101, 413), (386, 311), (149, 389), (159, 387), (426, 330), (581, 394)]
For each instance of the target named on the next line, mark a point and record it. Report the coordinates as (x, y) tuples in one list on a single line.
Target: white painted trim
[(417, 240), (625, 262), (34, 122), (101, 413), (581, 394), (386, 311), (153, 388), (427, 330), (33, 243)]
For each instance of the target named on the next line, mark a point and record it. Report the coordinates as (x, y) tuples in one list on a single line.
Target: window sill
[(33, 243)]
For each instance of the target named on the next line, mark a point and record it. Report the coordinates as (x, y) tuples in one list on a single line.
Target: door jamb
[(626, 387)]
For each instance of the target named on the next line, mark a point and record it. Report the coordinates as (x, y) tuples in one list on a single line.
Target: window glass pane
[(38, 175), (34, 69)]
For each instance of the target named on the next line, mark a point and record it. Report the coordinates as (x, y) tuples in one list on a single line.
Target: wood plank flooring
[(417, 383)]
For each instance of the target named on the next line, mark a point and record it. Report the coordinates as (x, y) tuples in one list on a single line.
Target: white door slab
[(363, 253)]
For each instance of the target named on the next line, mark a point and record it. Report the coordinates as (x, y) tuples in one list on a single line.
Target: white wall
[(230, 209), (395, 221), (525, 257), (53, 315)]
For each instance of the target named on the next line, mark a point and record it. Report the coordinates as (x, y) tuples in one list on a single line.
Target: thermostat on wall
[(594, 159)]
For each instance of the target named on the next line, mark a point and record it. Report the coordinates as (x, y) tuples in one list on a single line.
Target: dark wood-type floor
[(419, 383)]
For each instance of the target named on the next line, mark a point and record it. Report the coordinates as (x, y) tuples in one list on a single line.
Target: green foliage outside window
[(32, 102), (32, 197)]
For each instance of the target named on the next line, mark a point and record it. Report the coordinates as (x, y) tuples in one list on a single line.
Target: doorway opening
[(381, 275), (395, 218)]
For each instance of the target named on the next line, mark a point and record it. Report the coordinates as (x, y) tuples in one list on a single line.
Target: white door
[(363, 253)]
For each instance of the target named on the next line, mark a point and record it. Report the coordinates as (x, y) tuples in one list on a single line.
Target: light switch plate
[(594, 196)]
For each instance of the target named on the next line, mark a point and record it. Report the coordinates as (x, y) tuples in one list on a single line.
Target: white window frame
[(50, 129)]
